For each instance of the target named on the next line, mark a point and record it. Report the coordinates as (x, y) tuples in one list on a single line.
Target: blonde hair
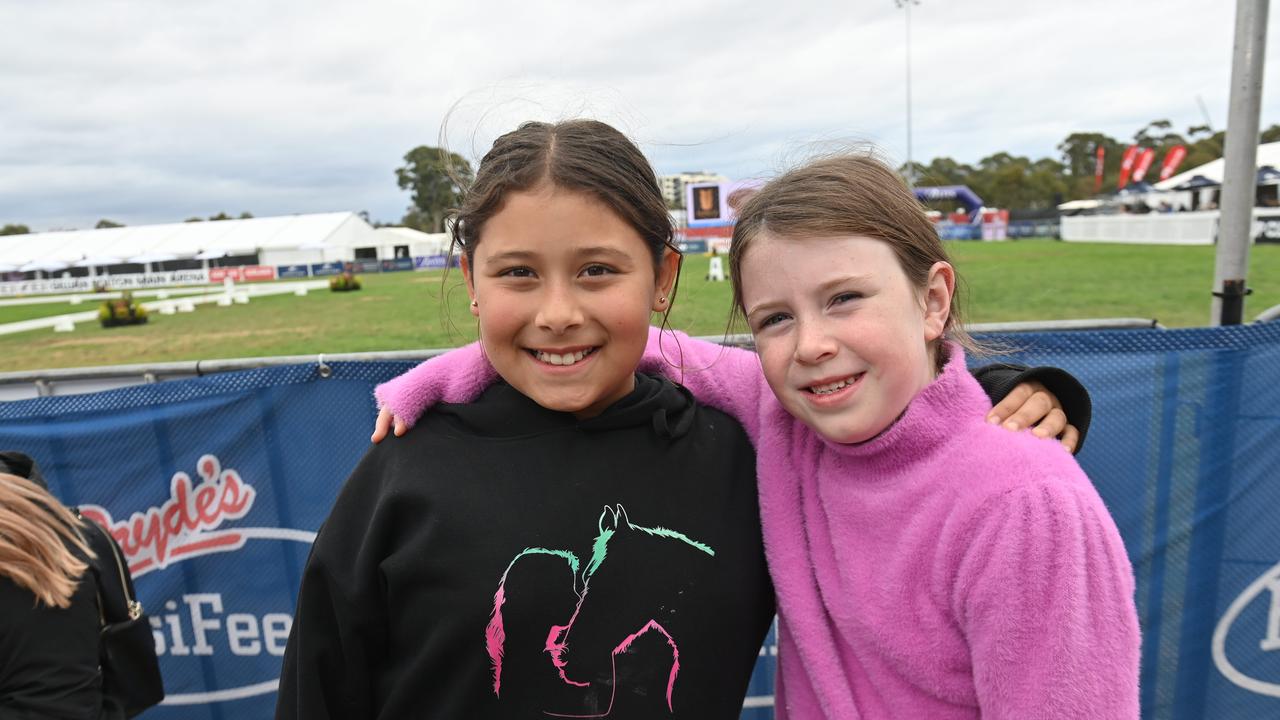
[(35, 531)]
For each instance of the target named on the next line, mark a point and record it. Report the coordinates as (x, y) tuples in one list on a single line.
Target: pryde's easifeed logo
[(191, 620), (1253, 622), (185, 524)]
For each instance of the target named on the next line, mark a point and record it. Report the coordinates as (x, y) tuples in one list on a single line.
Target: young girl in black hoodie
[(581, 541)]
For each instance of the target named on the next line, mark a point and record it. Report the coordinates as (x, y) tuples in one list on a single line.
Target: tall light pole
[(1240, 172), (911, 170)]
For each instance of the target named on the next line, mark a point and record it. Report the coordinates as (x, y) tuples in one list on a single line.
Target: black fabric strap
[(999, 379)]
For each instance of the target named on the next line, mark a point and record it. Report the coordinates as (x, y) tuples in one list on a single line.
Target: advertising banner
[(712, 204), (292, 271), (242, 273), (326, 268), (397, 265), (364, 266), (215, 487), (1126, 165), (215, 506), (253, 273), (1098, 166), (948, 230), (1266, 226), (1142, 164), (1172, 160), (136, 281), (995, 224)]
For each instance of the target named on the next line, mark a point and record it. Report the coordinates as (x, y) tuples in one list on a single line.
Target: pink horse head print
[(617, 537)]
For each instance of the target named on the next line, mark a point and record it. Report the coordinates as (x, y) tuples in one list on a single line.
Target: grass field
[(16, 313), (1024, 280)]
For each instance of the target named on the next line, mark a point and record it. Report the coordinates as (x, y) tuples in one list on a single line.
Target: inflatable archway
[(959, 193)]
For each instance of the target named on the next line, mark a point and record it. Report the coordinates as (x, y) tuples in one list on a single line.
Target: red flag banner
[(1172, 160), (1126, 165), (1140, 169), (1097, 169)]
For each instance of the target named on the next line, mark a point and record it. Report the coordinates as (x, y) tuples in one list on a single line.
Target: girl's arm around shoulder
[(338, 627), (458, 376), (1048, 399), (726, 378), (1044, 593)]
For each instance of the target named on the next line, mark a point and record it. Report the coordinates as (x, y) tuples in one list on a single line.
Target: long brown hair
[(840, 196), (35, 530)]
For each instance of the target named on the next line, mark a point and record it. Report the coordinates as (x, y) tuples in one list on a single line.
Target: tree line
[(20, 229), (1017, 182), (435, 177)]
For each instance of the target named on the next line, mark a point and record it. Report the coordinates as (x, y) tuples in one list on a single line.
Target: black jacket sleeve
[(338, 637), (999, 379)]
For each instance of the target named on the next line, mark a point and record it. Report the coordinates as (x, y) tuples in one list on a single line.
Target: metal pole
[(1240, 176), (910, 167)]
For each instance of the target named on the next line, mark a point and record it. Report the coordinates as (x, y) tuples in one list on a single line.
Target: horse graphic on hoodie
[(573, 657)]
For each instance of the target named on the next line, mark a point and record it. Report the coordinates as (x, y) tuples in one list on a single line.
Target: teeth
[(565, 359), (828, 389)]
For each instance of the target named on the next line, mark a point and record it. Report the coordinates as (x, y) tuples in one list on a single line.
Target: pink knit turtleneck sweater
[(945, 569)]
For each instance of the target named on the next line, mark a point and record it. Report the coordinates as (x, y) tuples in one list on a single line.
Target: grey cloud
[(147, 111)]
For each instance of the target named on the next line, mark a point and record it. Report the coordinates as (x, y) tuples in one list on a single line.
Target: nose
[(559, 310), (813, 343)]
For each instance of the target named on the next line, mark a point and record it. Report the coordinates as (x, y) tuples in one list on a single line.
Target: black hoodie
[(503, 560)]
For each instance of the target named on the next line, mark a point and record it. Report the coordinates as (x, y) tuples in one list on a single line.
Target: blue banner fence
[(222, 481)]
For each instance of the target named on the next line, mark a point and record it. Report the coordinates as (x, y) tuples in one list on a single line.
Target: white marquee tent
[(1268, 154), (285, 240)]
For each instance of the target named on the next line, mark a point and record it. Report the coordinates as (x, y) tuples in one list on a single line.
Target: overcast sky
[(143, 111)]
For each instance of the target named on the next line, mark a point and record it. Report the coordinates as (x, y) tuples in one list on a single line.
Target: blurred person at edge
[(49, 621)]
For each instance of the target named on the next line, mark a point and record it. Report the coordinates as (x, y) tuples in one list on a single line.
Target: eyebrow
[(831, 284), (762, 307), (821, 288), (509, 257), (528, 256), (602, 250)]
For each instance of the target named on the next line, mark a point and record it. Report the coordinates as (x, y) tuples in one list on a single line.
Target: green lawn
[(1045, 279), (1024, 280), (18, 313)]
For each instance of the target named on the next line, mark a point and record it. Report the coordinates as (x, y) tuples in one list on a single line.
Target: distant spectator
[(49, 620)]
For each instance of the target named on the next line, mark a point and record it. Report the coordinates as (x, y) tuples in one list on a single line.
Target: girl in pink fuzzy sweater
[(926, 564)]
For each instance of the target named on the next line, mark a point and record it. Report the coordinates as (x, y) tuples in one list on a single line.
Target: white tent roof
[(1268, 154), (436, 243), (1080, 205), (186, 240)]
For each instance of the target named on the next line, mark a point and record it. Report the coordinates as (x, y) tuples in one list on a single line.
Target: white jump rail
[(206, 296)]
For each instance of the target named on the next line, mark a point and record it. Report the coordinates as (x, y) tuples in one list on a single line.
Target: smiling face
[(564, 288), (844, 338)]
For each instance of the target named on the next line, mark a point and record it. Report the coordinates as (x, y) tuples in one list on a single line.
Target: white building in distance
[(283, 240)]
